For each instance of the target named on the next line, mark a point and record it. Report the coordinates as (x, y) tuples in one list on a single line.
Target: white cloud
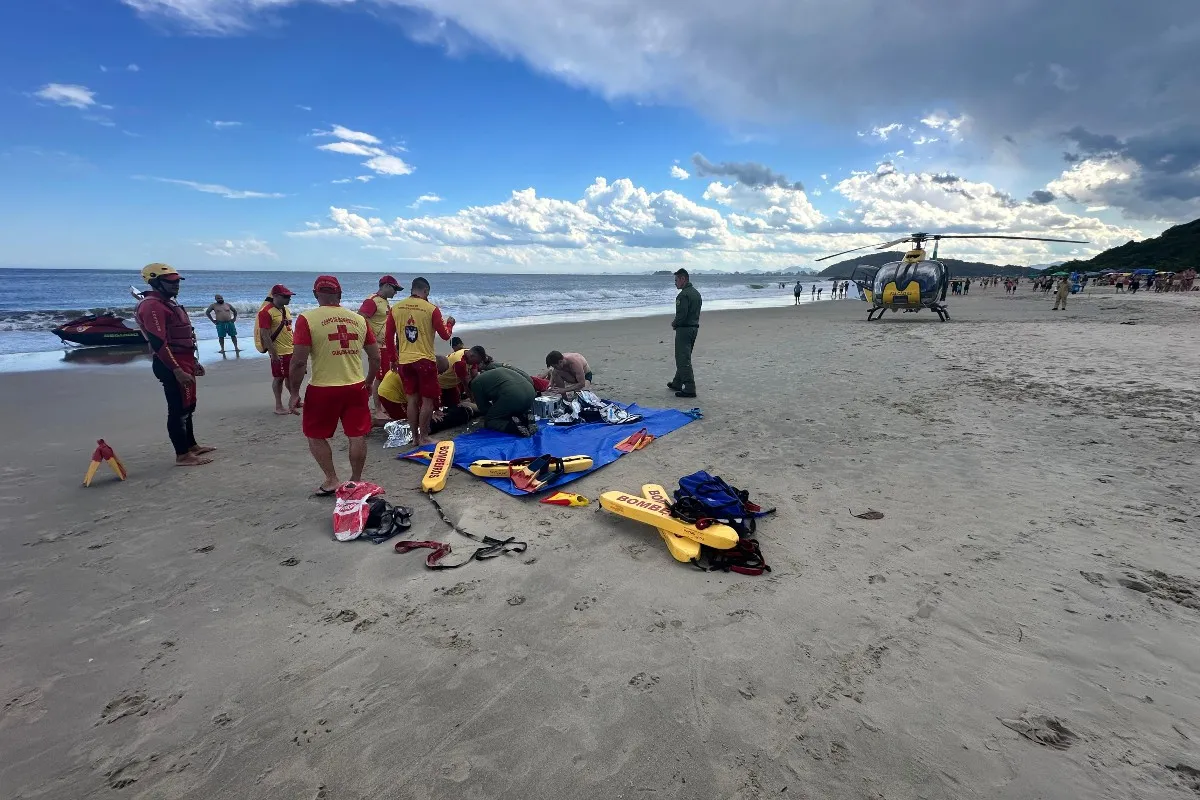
[(888, 199), (618, 225), (103, 68), (304, 108), (882, 132), (133, 68), (386, 164), (212, 188), (425, 198), (940, 121), (1120, 182), (364, 178), (744, 65), (342, 180), (238, 248), (349, 149), (221, 124), (679, 172), (767, 208), (374, 247), (368, 146), (345, 134), (920, 140), (67, 94)]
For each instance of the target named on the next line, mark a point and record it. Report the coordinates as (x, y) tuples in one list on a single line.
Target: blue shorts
[(227, 328)]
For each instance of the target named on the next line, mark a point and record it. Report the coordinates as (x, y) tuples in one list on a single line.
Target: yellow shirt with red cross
[(336, 338)]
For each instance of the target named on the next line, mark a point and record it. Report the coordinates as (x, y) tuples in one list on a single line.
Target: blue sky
[(372, 134)]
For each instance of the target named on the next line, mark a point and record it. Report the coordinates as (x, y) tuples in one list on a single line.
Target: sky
[(577, 136)]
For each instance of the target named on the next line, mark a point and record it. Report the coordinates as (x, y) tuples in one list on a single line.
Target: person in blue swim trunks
[(224, 316)]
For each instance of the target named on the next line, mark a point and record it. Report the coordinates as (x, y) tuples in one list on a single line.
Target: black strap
[(283, 318), (492, 547)]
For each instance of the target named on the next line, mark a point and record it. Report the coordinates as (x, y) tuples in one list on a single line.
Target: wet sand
[(1021, 623)]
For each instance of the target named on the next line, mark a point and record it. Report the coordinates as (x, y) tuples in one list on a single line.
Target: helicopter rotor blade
[(864, 247), (1026, 238)]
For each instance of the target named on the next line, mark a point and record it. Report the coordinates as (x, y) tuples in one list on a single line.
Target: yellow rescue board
[(439, 467), (682, 549), (721, 537), (499, 469)]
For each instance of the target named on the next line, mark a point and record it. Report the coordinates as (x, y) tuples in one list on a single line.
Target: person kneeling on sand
[(567, 372), (478, 361), (335, 338), (505, 399)]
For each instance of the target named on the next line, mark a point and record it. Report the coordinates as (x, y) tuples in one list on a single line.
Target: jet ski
[(100, 330)]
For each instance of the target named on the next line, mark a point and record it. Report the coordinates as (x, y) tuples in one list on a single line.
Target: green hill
[(1178, 248), (973, 269)]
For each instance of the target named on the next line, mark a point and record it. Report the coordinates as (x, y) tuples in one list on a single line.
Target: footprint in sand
[(1042, 729), (584, 603), (643, 681)]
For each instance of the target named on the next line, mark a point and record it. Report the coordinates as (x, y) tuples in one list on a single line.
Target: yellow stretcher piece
[(439, 467), (682, 549), (638, 508), (499, 469)]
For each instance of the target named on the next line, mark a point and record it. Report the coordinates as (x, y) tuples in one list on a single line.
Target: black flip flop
[(323, 492)]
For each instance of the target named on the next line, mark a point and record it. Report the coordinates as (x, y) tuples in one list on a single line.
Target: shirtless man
[(567, 372), (224, 316)]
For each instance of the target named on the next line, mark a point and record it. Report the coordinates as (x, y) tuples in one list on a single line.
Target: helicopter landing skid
[(942, 312)]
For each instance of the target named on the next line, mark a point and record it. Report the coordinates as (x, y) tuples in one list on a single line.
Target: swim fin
[(714, 534), (565, 499), (499, 469), (531, 476), (439, 467), (634, 441), (681, 549)]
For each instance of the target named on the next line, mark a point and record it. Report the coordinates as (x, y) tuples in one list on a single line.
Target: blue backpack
[(703, 499)]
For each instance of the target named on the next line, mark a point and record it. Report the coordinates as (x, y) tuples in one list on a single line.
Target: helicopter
[(914, 282)]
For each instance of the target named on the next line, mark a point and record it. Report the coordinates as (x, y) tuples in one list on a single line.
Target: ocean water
[(38, 300)]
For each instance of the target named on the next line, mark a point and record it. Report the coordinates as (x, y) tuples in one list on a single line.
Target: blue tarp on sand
[(596, 440)]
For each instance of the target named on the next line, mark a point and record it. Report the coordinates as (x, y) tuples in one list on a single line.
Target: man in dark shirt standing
[(686, 324), (168, 329)]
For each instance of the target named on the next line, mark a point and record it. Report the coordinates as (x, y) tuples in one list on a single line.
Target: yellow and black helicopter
[(914, 282)]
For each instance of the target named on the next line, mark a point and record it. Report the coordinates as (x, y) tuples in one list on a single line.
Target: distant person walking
[(335, 339), (1064, 288), (224, 316), (687, 325), (168, 329), (275, 333), (797, 291)]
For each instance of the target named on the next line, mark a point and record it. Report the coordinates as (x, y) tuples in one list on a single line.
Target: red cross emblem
[(343, 336)]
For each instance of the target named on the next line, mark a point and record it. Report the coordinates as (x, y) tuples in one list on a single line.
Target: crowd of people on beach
[(405, 379)]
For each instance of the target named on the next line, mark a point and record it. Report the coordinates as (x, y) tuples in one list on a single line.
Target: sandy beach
[(197, 633)]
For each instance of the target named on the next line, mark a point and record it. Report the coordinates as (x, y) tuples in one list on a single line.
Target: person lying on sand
[(395, 404)]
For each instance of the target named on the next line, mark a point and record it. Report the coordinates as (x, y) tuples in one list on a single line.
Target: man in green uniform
[(505, 398), (686, 325)]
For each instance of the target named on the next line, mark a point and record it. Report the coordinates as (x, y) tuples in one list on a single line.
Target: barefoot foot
[(190, 460)]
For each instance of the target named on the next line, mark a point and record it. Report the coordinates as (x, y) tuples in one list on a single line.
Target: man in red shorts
[(375, 311), (275, 333), (410, 328), (335, 340)]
